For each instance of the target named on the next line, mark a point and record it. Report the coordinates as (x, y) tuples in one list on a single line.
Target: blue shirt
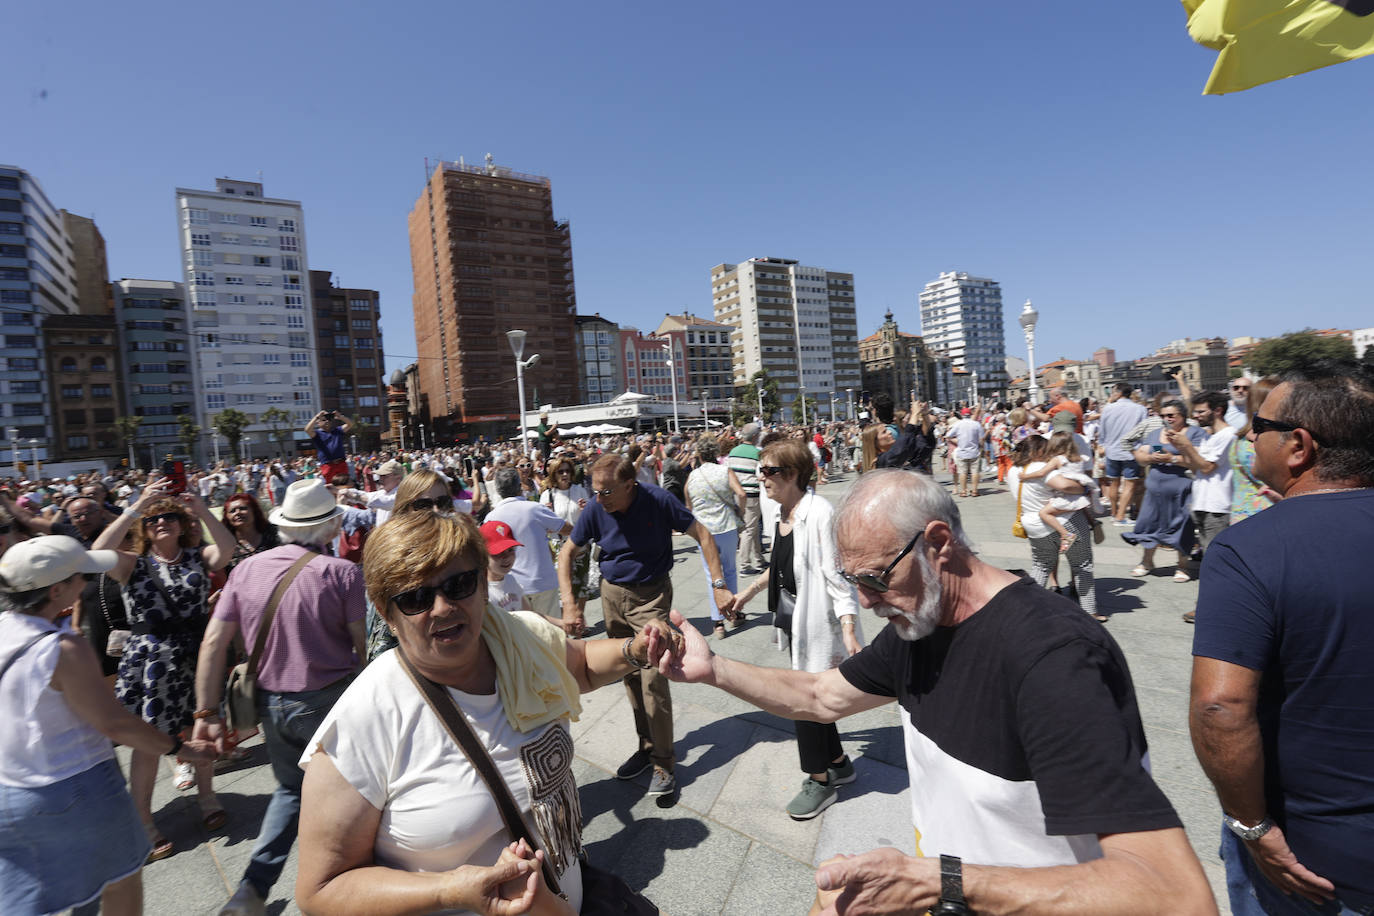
[(329, 443), (637, 544), (1116, 420), (1286, 593)]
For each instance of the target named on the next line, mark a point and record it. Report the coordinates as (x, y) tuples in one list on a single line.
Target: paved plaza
[(726, 847)]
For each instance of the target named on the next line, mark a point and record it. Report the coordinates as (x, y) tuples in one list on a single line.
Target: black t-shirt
[(1023, 735)]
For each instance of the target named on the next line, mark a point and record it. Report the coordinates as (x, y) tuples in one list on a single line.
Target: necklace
[(1328, 490)]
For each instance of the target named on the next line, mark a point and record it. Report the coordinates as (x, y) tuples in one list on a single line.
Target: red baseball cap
[(499, 538)]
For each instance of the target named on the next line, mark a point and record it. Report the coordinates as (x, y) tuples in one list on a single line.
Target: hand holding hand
[(574, 624), (691, 664), (211, 731), (879, 881), (197, 751), (656, 640)]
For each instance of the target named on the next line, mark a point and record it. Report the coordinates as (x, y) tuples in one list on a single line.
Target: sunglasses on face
[(771, 470), (6, 529), (455, 588), (609, 491), (878, 583), (1240, 387), (152, 520), (1260, 425), (430, 504)]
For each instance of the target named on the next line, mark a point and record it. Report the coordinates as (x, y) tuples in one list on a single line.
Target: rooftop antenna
[(460, 161), (491, 164)]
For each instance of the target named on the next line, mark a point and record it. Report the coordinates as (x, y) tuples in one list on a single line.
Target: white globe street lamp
[(1029, 316), (517, 346)]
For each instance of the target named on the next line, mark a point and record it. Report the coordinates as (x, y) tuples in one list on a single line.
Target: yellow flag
[(1265, 40)]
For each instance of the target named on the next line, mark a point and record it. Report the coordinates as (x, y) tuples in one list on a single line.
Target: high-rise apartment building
[(710, 367), (37, 279), (244, 260), (962, 315), (91, 267), (348, 333), (157, 381), (82, 358), (598, 367), (795, 322), (488, 257)]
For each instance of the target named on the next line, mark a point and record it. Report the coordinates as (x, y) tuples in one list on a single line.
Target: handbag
[(241, 689), (118, 638), (603, 893), (1017, 529), (782, 614)]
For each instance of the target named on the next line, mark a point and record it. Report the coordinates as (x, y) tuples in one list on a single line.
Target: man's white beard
[(920, 623)]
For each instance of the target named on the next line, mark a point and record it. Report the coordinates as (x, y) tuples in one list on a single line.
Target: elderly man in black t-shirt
[(1021, 727)]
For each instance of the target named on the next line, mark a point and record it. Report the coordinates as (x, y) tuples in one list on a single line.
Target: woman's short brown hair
[(190, 525), (794, 456), (551, 472), (415, 485), (412, 547)]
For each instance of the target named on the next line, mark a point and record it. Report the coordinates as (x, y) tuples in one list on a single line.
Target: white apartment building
[(248, 298), (962, 315), (1363, 339), (795, 322)]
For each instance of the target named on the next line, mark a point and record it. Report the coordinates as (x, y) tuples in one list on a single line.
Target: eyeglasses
[(523, 467), (1260, 425), (878, 583), (152, 520), (602, 494), (429, 504), (6, 529), (1240, 387), (455, 588), (771, 470)]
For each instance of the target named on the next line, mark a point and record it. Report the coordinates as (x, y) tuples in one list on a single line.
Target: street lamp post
[(14, 449), (849, 396), (517, 346), (801, 393), (214, 438), (1029, 316), (761, 417), (33, 449), (976, 399), (832, 406), (355, 444), (422, 437), (705, 412), (732, 411), (672, 380)]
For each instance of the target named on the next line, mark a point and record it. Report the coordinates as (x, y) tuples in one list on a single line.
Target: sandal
[(719, 629), (1182, 576), (185, 777), (212, 815), (1141, 570), (1190, 616), (1067, 542), (162, 847), (1100, 618)]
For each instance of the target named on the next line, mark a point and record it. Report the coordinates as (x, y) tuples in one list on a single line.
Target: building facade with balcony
[(348, 334), (37, 279), (796, 323), (710, 357), (898, 363), (155, 344), (644, 363), (84, 372), (599, 374), (245, 265), (962, 316)]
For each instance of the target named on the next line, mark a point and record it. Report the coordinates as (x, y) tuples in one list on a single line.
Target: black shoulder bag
[(603, 893)]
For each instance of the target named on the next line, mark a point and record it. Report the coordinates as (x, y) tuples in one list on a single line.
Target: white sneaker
[(245, 902)]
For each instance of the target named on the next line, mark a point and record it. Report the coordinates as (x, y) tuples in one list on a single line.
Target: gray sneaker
[(843, 774), (813, 798), (662, 783)]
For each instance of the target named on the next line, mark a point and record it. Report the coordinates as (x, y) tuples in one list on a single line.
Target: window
[(243, 379), (342, 341), (78, 442), (302, 381), (73, 391), (200, 239), (295, 321), (287, 243), (290, 262), (300, 396), (294, 302), (233, 280), (291, 281), (261, 241), (237, 299), (257, 222), (25, 388), (214, 402), (276, 398), (298, 341), (366, 362), (233, 259), (245, 398), (9, 228), (29, 410), (228, 217), (22, 362), (362, 324), (300, 359), (262, 280), (197, 217), (363, 343), (229, 238), (360, 305), (271, 359), (286, 225), (21, 340), (203, 278), (211, 381), (68, 364), (262, 260), (17, 319)]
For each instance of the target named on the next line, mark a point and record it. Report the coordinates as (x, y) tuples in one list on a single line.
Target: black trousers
[(818, 745)]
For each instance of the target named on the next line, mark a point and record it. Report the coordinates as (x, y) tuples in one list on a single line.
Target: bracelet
[(206, 714), (176, 746), (634, 662)]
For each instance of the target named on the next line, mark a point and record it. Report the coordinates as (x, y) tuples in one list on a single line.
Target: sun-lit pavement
[(726, 847)]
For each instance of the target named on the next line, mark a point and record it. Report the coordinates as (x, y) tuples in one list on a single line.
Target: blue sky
[(1061, 148)]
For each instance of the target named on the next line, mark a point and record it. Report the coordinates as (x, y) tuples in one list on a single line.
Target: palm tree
[(279, 421), (189, 434), (126, 428), (230, 423)]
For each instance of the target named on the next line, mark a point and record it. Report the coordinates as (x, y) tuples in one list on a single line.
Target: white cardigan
[(823, 597)]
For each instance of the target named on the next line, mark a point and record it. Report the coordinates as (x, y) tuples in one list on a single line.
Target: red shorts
[(333, 469)]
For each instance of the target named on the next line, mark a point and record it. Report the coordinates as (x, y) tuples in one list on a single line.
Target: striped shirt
[(744, 461)]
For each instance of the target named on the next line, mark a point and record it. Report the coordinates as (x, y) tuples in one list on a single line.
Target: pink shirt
[(309, 645)]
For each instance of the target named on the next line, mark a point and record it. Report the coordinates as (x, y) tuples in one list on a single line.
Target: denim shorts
[(1127, 469), (61, 844)]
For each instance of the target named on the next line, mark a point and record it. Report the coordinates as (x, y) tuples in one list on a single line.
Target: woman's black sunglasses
[(771, 470), (151, 520), (878, 583), (455, 588), (429, 503)]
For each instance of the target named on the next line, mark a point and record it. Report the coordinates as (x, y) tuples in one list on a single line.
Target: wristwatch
[(718, 583), (951, 889), (1245, 832)]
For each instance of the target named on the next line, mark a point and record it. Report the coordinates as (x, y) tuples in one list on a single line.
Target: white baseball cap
[(43, 561)]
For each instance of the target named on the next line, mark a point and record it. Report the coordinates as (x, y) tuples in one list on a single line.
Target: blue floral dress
[(157, 673)]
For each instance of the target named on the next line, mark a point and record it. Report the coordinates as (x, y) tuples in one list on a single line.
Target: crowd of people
[(408, 633)]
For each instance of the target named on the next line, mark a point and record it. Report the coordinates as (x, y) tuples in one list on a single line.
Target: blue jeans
[(726, 544), (289, 721), (1252, 894)]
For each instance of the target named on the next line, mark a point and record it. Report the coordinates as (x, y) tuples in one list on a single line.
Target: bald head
[(896, 504)]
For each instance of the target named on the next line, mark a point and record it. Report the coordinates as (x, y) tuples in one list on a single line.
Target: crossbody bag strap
[(277, 593), (1019, 485), (442, 705), (24, 648)]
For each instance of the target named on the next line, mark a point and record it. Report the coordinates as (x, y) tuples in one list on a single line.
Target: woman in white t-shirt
[(567, 500), (394, 818)]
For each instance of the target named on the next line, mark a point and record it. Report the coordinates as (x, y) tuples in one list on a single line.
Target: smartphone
[(1156, 448), (176, 470)]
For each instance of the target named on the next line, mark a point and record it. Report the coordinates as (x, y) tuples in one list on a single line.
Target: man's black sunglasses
[(429, 503), (878, 583), (1260, 425), (455, 588)]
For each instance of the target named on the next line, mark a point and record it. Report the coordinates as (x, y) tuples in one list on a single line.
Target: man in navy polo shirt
[(328, 430), (634, 524)]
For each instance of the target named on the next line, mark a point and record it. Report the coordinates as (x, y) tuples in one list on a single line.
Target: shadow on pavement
[(1116, 595)]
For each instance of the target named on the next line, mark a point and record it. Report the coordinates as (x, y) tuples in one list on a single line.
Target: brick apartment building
[(348, 335)]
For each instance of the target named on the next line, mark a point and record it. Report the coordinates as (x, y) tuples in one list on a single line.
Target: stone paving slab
[(726, 847)]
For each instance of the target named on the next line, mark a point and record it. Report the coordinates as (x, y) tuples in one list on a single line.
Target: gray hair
[(508, 483), (312, 535), (905, 500), (27, 602), (707, 449), (750, 433)]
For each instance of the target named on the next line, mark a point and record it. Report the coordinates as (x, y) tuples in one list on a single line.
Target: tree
[(230, 423), (126, 428), (189, 434), (363, 429), (1298, 350), (747, 396), (279, 422), (809, 415)]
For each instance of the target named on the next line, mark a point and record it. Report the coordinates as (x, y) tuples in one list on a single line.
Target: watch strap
[(951, 880)]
